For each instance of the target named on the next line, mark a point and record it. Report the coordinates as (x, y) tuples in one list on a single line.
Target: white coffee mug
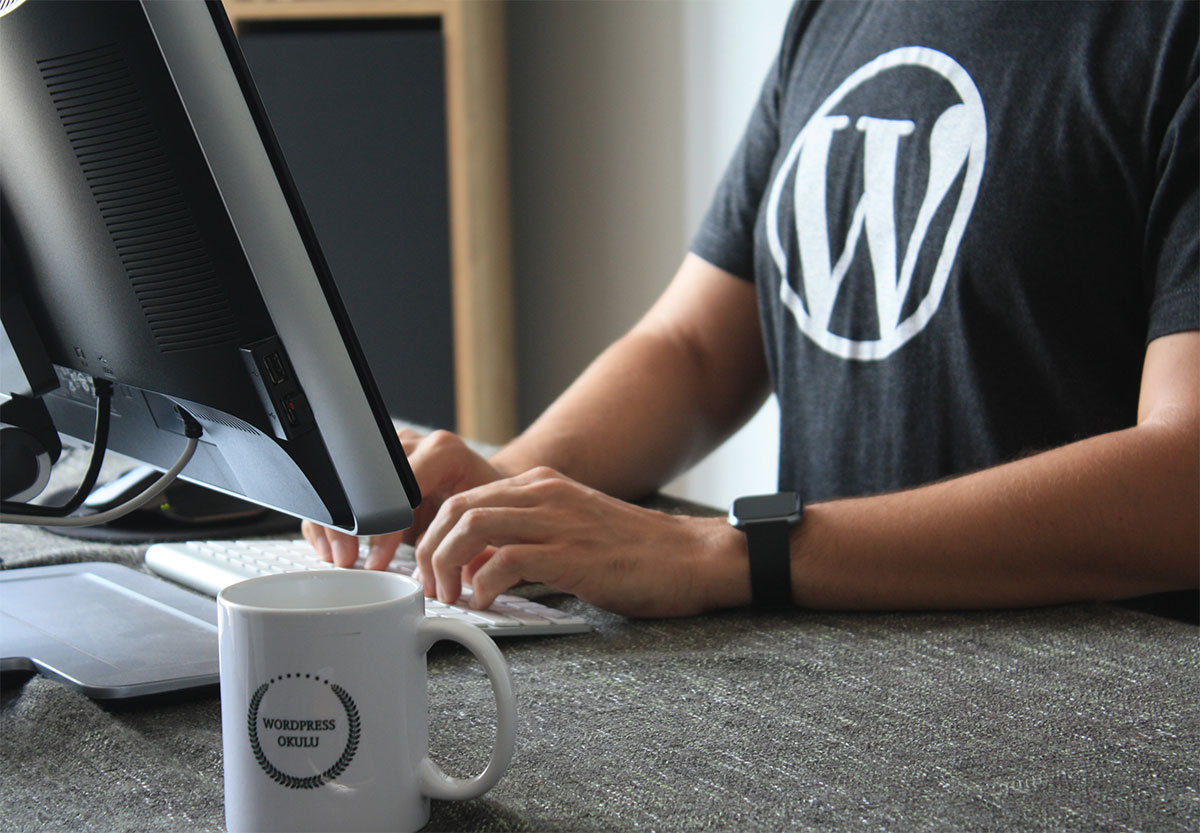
[(323, 703)]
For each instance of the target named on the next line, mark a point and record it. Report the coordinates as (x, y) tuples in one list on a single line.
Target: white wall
[(623, 117)]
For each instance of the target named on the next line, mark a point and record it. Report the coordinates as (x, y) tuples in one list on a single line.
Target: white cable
[(137, 502)]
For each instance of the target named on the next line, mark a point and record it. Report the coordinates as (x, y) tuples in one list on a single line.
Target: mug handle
[(434, 782)]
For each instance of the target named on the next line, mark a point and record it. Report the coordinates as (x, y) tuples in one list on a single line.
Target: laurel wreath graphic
[(353, 723)]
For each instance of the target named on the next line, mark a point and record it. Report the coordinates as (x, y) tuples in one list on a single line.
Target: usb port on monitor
[(275, 369)]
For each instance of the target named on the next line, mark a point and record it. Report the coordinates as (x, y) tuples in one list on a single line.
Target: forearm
[(1107, 517)]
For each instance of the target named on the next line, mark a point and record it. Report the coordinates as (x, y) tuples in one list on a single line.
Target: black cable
[(191, 428), (151, 493), (104, 394)]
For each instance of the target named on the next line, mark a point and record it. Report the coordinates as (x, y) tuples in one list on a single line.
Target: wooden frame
[(480, 228)]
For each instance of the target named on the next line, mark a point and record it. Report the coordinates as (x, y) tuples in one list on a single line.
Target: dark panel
[(359, 109)]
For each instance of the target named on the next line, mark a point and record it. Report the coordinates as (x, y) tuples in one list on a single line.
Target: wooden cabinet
[(478, 303)]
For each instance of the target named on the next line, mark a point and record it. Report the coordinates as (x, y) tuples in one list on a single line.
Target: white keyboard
[(209, 566)]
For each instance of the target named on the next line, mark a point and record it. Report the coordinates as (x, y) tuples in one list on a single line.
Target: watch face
[(766, 507)]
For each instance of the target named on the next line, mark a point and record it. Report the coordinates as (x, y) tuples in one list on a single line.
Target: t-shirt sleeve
[(1172, 266), (726, 234)]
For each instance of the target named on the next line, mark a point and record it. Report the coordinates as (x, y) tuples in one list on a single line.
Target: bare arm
[(688, 374), (1111, 516)]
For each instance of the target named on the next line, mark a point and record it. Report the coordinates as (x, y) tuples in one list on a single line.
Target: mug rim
[(227, 597)]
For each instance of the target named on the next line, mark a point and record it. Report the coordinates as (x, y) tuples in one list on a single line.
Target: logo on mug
[(302, 723)]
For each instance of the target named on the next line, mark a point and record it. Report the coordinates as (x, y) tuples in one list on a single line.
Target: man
[(966, 236)]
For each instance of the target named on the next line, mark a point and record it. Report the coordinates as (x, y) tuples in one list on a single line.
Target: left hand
[(544, 527), (443, 464)]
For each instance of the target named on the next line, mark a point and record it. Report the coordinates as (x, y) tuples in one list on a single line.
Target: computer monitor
[(153, 239)]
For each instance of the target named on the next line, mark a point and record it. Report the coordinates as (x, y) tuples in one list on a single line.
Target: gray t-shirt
[(965, 221)]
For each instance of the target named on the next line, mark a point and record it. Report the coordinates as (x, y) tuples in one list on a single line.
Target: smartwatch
[(767, 521)]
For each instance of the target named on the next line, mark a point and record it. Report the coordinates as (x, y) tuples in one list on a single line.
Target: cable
[(191, 430), (137, 502), (104, 393)]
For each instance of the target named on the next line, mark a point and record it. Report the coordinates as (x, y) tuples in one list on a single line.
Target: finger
[(424, 574), (315, 535), (507, 567), (381, 551), (477, 529), (469, 571), (345, 548), (445, 467), (514, 492), (424, 545)]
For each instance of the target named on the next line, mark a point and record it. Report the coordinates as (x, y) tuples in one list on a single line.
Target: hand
[(443, 465), (542, 526)]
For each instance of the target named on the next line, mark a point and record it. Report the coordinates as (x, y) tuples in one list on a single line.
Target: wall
[(623, 116)]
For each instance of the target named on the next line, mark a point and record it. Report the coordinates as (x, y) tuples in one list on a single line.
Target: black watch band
[(767, 521), (768, 544)]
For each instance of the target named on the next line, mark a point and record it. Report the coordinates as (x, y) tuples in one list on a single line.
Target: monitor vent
[(205, 414), (151, 225)]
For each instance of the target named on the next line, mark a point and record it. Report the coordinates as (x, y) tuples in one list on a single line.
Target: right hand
[(443, 466)]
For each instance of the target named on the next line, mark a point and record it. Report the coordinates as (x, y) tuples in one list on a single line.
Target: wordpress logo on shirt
[(881, 182)]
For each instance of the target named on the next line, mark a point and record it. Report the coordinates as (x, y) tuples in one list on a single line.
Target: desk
[(1083, 717)]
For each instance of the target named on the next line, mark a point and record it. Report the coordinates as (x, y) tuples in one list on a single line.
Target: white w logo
[(958, 139)]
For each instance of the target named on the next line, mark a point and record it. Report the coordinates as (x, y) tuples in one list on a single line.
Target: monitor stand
[(184, 512)]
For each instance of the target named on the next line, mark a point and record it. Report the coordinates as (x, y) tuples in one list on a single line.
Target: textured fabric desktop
[(1072, 718)]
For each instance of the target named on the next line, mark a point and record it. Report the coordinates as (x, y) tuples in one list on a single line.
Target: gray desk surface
[(1072, 718)]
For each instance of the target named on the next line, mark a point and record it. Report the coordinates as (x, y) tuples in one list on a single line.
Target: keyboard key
[(496, 619), (525, 616)]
